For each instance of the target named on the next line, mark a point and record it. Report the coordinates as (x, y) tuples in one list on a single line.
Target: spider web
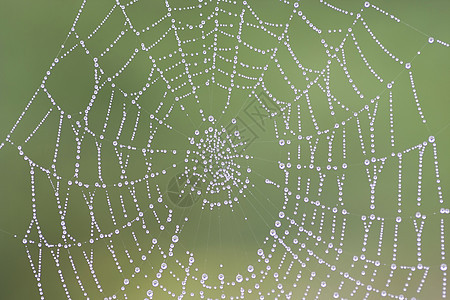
[(217, 128)]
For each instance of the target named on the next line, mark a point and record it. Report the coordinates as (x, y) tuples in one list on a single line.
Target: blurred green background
[(30, 37)]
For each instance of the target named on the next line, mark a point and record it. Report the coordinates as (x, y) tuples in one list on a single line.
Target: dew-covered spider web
[(220, 149)]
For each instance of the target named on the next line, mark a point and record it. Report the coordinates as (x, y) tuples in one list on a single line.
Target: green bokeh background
[(31, 34)]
